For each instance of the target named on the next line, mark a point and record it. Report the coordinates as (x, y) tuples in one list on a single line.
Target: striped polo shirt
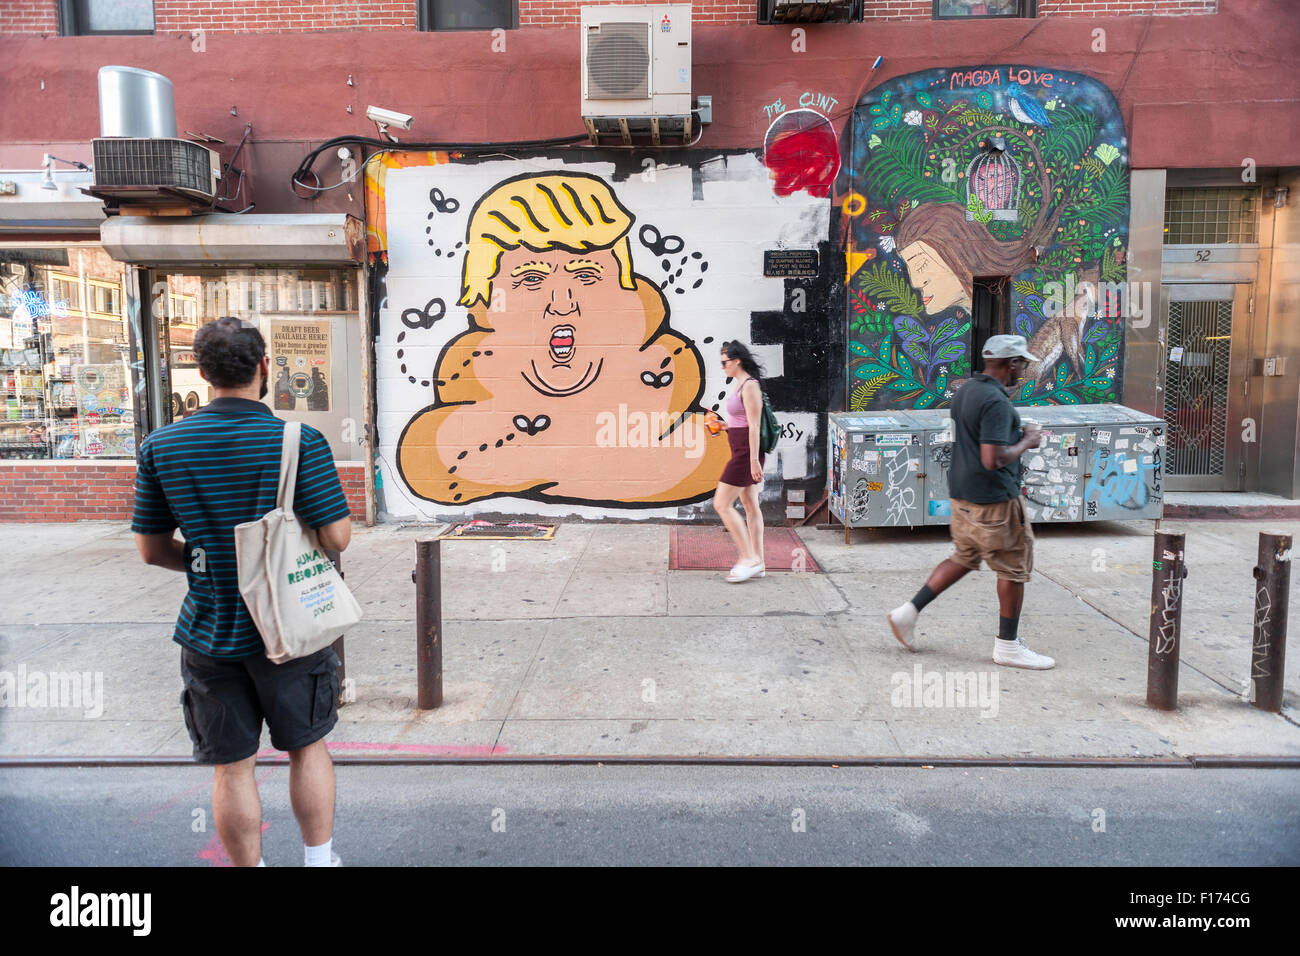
[(207, 473)]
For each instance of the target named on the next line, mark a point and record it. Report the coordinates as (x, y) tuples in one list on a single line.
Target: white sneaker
[(745, 572), (901, 621), (334, 859), (1015, 654)]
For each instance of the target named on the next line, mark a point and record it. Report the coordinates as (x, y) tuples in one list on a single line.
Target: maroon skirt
[(737, 471)]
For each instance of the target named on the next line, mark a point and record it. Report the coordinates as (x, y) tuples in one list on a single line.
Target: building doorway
[(1207, 384)]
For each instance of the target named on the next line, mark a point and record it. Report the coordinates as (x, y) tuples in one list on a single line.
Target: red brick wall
[(33, 491), (269, 16), (29, 16), (272, 16)]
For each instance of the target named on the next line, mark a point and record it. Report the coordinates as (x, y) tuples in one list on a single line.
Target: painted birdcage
[(993, 177)]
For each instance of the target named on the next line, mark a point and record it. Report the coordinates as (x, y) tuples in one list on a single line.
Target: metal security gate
[(1205, 385)]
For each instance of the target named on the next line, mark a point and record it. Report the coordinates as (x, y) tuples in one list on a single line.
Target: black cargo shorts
[(225, 702)]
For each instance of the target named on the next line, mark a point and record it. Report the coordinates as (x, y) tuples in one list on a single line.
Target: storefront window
[(309, 318), (67, 358)]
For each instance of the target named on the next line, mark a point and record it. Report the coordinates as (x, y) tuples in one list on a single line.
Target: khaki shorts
[(998, 533)]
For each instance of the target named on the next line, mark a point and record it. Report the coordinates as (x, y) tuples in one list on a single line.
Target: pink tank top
[(735, 408)]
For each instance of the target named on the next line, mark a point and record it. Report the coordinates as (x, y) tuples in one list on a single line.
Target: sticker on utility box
[(900, 438)]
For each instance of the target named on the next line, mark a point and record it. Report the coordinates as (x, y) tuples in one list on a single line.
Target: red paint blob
[(802, 152)]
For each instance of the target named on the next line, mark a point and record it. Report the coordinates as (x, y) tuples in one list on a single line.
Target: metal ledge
[(222, 238)]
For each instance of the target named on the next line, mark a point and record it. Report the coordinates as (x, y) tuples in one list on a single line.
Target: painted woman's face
[(938, 285)]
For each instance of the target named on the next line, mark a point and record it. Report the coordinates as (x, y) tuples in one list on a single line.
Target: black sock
[(923, 597), (1007, 627)]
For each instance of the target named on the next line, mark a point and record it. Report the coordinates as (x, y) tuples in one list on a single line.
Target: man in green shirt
[(988, 512)]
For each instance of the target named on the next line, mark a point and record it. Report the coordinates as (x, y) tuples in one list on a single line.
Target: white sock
[(318, 855)]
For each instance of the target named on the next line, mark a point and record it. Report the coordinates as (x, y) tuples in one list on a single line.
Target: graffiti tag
[(1167, 632), (1119, 481), (899, 497), (1260, 641)]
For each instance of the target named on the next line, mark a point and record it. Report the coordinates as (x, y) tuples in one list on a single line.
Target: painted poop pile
[(569, 384)]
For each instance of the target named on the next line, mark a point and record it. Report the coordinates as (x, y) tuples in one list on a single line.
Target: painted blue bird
[(1025, 108)]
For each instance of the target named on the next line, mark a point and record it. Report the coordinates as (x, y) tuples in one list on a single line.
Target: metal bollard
[(337, 646), (1168, 571), (428, 624), (1268, 636)]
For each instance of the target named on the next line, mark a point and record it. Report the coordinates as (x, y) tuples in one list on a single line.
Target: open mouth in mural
[(546, 388), (562, 344)]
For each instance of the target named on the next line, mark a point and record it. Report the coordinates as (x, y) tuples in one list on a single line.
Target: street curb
[(1233, 512), (1190, 762)]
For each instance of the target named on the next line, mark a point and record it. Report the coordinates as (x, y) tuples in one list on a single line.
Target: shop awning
[(220, 239), (32, 209)]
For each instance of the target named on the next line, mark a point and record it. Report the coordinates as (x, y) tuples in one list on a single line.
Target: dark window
[(990, 314), (467, 14), (969, 9), (105, 17), (817, 11)]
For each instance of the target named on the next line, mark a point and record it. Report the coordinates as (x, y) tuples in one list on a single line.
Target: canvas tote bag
[(295, 596)]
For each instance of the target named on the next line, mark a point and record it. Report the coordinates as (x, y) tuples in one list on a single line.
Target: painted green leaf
[(871, 370), (882, 284), (1062, 373), (950, 351), (905, 366), (861, 349), (901, 384)]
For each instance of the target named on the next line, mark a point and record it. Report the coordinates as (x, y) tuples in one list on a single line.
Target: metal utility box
[(1097, 462)]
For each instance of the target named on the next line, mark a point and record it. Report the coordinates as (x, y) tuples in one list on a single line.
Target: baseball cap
[(1007, 346)]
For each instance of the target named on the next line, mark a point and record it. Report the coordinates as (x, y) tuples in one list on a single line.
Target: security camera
[(377, 114)]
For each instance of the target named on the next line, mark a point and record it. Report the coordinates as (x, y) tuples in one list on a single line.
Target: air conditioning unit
[(636, 73), (154, 172)]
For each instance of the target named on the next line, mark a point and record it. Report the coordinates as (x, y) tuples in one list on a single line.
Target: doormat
[(498, 531), (709, 548)]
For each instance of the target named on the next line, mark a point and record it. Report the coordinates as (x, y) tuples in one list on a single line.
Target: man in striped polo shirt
[(216, 469)]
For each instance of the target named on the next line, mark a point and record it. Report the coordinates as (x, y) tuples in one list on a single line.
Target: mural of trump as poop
[(569, 384)]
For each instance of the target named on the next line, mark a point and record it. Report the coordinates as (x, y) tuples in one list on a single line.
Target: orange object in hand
[(713, 423)]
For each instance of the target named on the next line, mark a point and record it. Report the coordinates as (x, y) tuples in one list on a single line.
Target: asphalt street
[(656, 815)]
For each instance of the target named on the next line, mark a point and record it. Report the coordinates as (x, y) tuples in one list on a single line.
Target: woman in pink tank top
[(741, 478)]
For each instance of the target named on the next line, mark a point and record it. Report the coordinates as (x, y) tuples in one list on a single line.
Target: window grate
[(1211, 216)]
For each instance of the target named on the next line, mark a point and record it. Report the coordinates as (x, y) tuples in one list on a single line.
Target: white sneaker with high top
[(902, 620), (1015, 654)]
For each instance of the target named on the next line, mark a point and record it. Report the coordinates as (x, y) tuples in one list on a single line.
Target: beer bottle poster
[(300, 365)]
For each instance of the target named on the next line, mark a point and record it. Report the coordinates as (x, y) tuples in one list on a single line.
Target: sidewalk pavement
[(588, 644)]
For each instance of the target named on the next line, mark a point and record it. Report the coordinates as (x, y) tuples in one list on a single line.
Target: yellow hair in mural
[(571, 211)]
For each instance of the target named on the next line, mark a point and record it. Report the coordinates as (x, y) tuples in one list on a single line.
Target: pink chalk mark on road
[(215, 851)]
